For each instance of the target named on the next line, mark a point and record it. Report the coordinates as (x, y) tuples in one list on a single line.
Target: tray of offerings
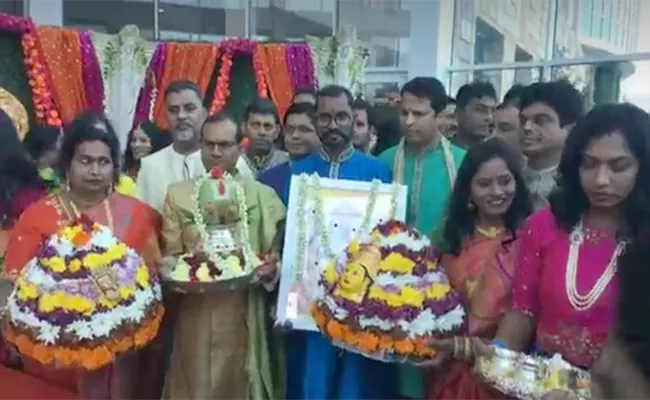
[(528, 377)]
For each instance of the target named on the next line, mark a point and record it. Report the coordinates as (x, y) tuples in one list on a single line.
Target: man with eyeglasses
[(300, 140), (315, 368), (475, 104)]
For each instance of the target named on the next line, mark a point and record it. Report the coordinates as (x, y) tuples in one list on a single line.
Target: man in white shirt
[(181, 160)]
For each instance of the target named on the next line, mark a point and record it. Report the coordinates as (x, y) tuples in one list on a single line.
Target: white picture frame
[(344, 204)]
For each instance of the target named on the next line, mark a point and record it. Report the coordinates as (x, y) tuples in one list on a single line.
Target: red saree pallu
[(482, 273), (134, 374), (18, 386)]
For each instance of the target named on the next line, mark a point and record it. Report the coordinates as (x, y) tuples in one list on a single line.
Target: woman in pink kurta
[(565, 283)]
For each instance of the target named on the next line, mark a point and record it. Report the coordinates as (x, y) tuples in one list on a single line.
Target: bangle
[(456, 349), (500, 344), (468, 349)]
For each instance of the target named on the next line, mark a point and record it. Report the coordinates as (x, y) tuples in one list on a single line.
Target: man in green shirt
[(426, 162)]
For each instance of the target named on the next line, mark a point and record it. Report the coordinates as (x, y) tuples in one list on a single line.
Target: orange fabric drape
[(62, 54), (190, 61), (277, 76)]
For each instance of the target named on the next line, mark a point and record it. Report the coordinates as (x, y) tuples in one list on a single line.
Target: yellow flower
[(94, 261), (78, 304), (330, 274), (26, 291), (107, 303), (115, 252), (438, 291), (46, 303), (126, 292), (412, 297), (74, 265), (406, 296), (56, 264), (396, 262), (142, 276), (203, 273)]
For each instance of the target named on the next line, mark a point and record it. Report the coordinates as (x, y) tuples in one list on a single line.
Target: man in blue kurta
[(315, 368)]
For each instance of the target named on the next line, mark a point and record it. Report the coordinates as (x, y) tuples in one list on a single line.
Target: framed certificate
[(324, 215)]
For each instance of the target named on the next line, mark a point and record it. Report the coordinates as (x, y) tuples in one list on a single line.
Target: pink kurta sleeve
[(528, 272)]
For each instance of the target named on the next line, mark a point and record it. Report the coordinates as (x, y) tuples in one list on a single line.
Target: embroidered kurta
[(539, 289), (540, 184), (222, 348), (429, 187), (315, 368), (165, 167)]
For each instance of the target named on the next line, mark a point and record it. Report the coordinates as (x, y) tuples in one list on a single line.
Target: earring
[(470, 206), (67, 184)]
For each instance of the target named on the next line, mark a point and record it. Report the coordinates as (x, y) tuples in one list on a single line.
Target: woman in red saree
[(478, 247), (89, 155)]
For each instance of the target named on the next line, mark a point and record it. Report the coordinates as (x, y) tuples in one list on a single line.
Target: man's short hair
[(261, 106), (301, 108), (474, 90), (304, 90), (222, 116), (429, 88), (560, 95), (513, 96), (181, 85), (334, 91), (363, 105)]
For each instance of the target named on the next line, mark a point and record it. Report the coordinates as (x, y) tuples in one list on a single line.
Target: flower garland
[(215, 253), (229, 49), (307, 189), (42, 97)]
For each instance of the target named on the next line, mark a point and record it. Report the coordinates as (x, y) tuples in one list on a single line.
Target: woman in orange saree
[(87, 155), (478, 246)]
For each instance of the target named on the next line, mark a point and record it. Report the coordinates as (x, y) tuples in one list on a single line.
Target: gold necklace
[(584, 302), (490, 232), (107, 211)]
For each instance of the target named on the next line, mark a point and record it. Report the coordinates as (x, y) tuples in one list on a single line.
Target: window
[(386, 30), (291, 19), (109, 16), (201, 20), (13, 7)]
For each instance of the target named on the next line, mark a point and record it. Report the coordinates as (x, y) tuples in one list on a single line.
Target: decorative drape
[(92, 74), (62, 53), (277, 76), (146, 100), (190, 61), (300, 66), (123, 60)]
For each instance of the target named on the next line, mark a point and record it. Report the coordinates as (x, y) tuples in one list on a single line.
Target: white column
[(45, 12), (423, 48)]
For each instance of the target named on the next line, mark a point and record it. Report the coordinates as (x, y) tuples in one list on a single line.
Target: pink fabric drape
[(91, 74), (300, 65), (153, 77)]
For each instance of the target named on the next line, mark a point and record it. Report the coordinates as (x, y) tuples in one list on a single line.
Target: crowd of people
[(539, 212)]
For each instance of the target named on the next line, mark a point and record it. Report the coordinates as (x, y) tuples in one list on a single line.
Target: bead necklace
[(490, 232), (107, 211), (584, 302)]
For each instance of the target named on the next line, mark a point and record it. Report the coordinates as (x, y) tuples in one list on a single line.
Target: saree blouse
[(539, 289)]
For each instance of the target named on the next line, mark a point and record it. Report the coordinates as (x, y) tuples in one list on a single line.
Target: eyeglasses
[(341, 119)]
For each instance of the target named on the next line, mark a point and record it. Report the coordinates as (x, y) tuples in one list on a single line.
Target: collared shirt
[(335, 165), (540, 184), (273, 159)]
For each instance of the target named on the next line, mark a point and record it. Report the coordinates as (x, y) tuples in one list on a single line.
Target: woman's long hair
[(460, 222), (159, 140), (17, 170), (569, 201)]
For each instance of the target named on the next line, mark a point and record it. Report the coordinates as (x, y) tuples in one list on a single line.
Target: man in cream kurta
[(222, 346), (181, 160)]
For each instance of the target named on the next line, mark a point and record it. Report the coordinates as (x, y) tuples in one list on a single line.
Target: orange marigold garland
[(44, 107), (229, 49)]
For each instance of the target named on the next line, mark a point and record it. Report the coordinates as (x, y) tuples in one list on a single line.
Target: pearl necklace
[(584, 302)]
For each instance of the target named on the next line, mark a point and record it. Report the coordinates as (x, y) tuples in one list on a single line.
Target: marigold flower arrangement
[(83, 299), (224, 254), (386, 296)]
